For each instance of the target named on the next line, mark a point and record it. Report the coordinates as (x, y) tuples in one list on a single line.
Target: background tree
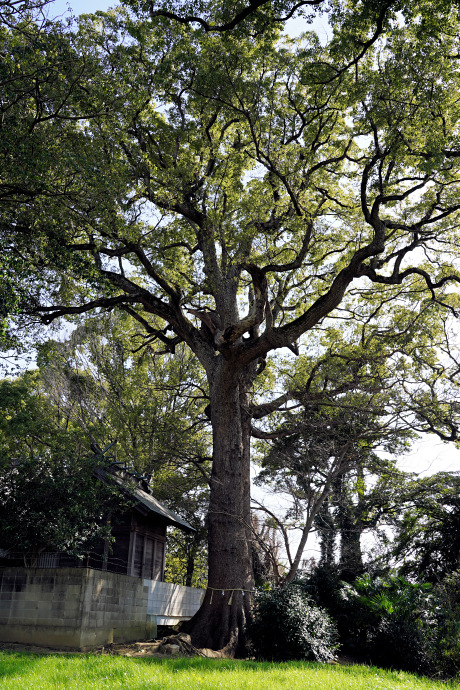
[(151, 408), (113, 389), (266, 547), (426, 544), (50, 500), (323, 454), (27, 11), (364, 499)]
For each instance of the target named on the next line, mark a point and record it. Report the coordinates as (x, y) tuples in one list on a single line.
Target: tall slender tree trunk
[(351, 557), (191, 555), (327, 534), (219, 623), (351, 527)]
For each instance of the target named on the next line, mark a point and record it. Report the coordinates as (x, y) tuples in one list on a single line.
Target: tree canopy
[(243, 193)]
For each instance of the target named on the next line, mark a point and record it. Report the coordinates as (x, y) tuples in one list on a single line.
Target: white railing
[(172, 603)]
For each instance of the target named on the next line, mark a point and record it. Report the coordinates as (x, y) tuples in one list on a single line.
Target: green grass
[(82, 672)]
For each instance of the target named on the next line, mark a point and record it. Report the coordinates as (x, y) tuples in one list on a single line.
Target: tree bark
[(219, 624), (190, 565), (351, 557), (350, 524), (327, 533)]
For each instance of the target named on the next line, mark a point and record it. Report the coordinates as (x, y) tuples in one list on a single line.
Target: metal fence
[(59, 559)]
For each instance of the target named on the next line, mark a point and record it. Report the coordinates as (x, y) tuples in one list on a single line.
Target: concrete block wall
[(172, 603), (72, 607), (114, 610)]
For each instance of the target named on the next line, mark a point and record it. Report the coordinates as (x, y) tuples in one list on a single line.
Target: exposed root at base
[(171, 645)]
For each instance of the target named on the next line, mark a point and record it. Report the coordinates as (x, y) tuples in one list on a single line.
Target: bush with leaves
[(55, 504), (288, 625), (50, 499), (395, 620), (329, 592), (446, 652), (392, 621)]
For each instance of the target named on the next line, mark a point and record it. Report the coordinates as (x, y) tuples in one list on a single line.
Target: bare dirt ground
[(154, 648), (169, 646), (33, 649), (137, 649)]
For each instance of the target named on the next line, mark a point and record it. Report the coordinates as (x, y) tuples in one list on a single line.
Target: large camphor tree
[(236, 191)]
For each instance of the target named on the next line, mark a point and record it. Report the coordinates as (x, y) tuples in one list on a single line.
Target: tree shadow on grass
[(12, 663), (357, 671), (203, 664)]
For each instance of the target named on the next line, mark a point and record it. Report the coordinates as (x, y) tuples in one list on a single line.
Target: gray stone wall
[(72, 608)]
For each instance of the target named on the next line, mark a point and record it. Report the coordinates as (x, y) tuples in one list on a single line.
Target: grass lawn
[(32, 672)]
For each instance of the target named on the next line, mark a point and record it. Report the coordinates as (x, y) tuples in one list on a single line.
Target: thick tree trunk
[(219, 623)]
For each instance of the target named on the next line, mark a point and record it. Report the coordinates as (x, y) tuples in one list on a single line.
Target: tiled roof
[(146, 502), (155, 506)]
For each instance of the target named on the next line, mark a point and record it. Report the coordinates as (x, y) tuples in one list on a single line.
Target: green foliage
[(287, 625), (391, 621), (447, 646), (55, 504), (30, 426), (427, 534), (186, 558), (49, 497), (112, 388), (405, 625), (323, 584)]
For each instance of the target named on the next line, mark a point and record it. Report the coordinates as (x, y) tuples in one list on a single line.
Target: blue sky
[(59, 7)]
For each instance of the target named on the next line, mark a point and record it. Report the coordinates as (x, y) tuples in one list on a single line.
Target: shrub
[(323, 585), (287, 626), (328, 591), (446, 653), (401, 625), (407, 625), (393, 622)]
